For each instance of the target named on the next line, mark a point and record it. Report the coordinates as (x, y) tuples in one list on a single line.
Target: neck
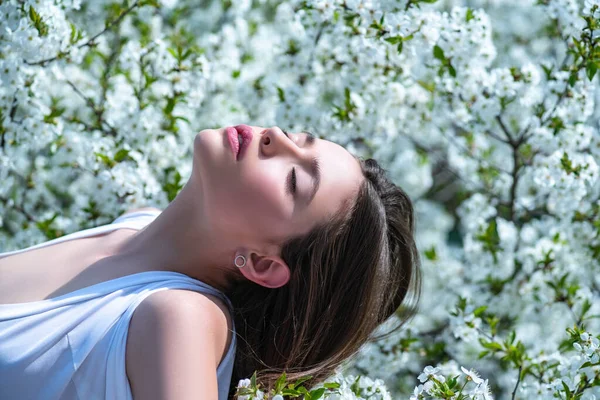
[(181, 240)]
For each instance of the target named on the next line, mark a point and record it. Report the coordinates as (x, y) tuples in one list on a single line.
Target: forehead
[(341, 177), (340, 169)]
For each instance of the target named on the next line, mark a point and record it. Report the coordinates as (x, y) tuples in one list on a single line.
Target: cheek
[(251, 201), (264, 195)]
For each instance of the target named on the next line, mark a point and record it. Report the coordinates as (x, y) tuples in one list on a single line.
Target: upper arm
[(174, 345)]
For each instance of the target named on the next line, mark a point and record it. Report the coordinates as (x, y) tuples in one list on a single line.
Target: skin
[(229, 208)]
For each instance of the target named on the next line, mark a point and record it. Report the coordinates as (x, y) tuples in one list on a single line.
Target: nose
[(273, 141)]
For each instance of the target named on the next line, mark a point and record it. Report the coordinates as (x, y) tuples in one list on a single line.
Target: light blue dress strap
[(134, 220), (135, 215)]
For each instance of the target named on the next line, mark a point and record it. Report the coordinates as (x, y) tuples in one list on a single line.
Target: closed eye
[(291, 186), (315, 166)]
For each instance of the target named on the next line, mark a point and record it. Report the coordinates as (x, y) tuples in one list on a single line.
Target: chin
[(204, 140), (211, 149), (202, 147)]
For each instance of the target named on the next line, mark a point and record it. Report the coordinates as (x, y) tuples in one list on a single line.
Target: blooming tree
[(483, 111)]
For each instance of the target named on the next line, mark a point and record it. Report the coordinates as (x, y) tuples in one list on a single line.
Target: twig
[(517, 385), (116, 21), (90, 103), (92, 39), (515, 180), (13, 110), (481, 161), (498, 138), (505, 129), (20, 209)]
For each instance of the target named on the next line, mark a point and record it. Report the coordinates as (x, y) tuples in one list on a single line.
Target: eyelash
[(292, 180)]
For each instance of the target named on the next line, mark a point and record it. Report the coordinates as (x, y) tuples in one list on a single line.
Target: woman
[(284, 256)]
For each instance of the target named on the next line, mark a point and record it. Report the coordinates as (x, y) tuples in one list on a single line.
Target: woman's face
[(249, 198)]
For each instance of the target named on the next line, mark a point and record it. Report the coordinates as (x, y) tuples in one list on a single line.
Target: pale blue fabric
[(72, 347)]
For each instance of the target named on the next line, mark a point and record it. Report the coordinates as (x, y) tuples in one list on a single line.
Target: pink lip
[(232, 137), (246, 133)]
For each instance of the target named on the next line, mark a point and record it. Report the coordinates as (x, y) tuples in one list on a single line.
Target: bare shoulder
[(175, 343)]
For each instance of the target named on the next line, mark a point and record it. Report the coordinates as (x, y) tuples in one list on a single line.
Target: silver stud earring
[(244, 261)]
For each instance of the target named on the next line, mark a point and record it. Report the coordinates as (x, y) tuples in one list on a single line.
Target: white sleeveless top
[(72, 347)]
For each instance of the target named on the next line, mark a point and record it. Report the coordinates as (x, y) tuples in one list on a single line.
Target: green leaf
[(491, 238), (589, 364), (479, 310), (291, 392), (280, 383), (585, 307), (511, 336), (400, 47), (331, 385), (187, 53), (567, 165), (317, 393), (40, 25), (173, 52), (153, 3), (451, 70), (490, 345), (253, 379), (548, 71), (121, 155), (438, 53), (452, 381), (355, 387), (171, 101), (182, 118), (105, 159), (429, 86), (431, 254), (469, 15), (45, 227), (567, 390), (33, 15), (483, 354), (55, 111), (591, 69), (303, 390), (73, 33), (393, 39)]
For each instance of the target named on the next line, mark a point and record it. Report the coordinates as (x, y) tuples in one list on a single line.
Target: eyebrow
[(315, 166)]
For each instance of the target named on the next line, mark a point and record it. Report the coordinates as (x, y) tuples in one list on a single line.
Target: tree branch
[(518, 381), (90, 42), (97, 112)]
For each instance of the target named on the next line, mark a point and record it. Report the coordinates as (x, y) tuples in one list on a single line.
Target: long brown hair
[(348, 275)]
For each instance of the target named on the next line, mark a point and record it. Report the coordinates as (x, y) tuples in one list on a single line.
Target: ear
[(267, 271)]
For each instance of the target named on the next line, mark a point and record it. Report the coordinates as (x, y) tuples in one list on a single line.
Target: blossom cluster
[(486, 113), (437, 385)]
